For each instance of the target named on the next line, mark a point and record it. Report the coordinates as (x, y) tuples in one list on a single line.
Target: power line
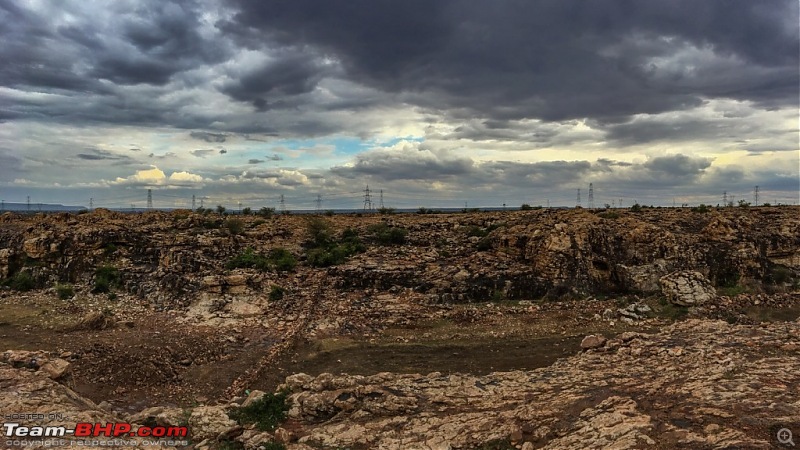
[(725, 198), (193, 202), (382, 200), (283, 204), (149, 199), (318, 202), (578, 200), (755, 195), (591, 196)]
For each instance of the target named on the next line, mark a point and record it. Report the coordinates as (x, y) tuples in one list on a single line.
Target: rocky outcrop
[(173, 258), (686, 288), (697, 384)]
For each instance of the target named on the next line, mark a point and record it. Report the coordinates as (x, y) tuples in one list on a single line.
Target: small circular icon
[(785, 436)]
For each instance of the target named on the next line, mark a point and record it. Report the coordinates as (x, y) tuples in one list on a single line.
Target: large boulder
[(687, 288)]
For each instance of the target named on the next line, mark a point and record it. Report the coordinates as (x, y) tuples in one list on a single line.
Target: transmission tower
[(149, 199), (620, 203), (91, 203), (725, 198), (382, 199), (367, 200), (319, 202), (239, 204), (193, 202), (578, 200), (591, 196), (548, 203), (283, 204), (29, 203), (755, 195), (201, 201)]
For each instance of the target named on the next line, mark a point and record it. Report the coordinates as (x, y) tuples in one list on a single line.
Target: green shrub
[(220, 209), (266, 413), (525, 207), (636, 207), (385, 210), (22, 281), (276, 293), (701, 208), (281, 259), (319, 232), (278, 259), (329, 213), (779, 275), (247, 211), (65, 291), (386, 235), (610, 215), (258, 222), (109, 249), (266, 212), (106, 278), (234, 226)]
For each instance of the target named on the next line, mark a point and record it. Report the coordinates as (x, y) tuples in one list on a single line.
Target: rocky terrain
[(443, 330)]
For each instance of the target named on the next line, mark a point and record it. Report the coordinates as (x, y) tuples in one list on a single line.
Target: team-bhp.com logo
[(85, 429)]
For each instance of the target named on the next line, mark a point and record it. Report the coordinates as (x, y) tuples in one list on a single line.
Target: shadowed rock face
[(168, 257)]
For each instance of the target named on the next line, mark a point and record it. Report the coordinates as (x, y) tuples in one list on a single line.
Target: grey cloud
[(275, 157), (515, 60), (255, 161), (223, 151), (98, 155), (202, 153), (209, 137)]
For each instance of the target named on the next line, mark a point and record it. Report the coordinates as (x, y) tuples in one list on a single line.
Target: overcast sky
[(435, 102)]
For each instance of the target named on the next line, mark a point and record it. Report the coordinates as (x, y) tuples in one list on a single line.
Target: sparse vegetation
[(234, 226), (701, 208), (386, 210), (247, 211), (276, 293), (636, 208), (610, 215), (278, 259), (22, 281), (386, 235), (266, 212), (744, 204), (220, 209), (485, 244), (266, 413), (324, 249), (106, 278), (423, 210), (65, 291)]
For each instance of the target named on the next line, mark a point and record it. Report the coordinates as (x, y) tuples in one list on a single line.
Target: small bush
[(610, 215), (109, 249), (106, 278), (220, 209), (701, 208), (266, 212), (779, 275), (636, 207), (386, 211), (278, 259), (23, 281), (276, 293), (247, 211), (234, 226), (258, 222), (386, 235), (329, 213), (282, 260), (319, 232), (65, 291), (525, 207), (266, 413)]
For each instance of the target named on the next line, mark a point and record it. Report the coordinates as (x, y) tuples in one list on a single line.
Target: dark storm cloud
[(678, 165), (553, 59), (291, 74)]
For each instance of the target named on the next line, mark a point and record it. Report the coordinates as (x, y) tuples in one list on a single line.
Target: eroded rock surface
[(697, 384)]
